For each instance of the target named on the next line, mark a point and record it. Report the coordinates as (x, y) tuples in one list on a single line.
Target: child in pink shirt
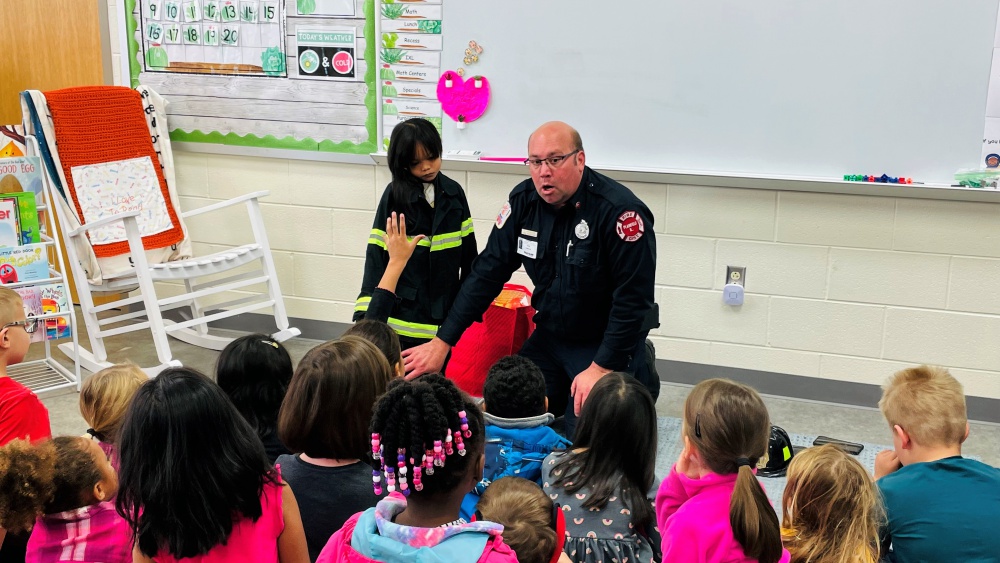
[(61, 489), (711, 508), (196, 484)]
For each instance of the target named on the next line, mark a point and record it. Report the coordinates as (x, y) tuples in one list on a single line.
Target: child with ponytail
[(711, 507), (105, 398), (427, 451)]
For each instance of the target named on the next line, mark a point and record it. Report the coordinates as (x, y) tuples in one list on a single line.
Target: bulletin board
[(795, 88), (277, 74)]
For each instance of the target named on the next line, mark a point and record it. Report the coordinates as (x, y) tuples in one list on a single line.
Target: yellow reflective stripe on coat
[(362, 304), (377, 237), (442, 241), (403, 328), (413, 330)]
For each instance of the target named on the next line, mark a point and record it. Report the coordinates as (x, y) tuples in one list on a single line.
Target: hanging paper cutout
[(463, 100)]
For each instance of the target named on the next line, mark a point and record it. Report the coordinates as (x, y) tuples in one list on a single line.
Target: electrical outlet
[(732, 293), (736, 274)]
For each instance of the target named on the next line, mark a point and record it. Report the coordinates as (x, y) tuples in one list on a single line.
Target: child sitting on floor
[(195, 482), (602, 483), (374, 326), (533, 525), (831, 508), (940, 506), (711, 506), (105, 398), (61, 490), (427, 448), (384, 338), (22, 415), (325, 419), (518, 436), (254, 371)]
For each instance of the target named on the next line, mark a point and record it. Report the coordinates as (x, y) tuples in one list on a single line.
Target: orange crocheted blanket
[(97, 124)]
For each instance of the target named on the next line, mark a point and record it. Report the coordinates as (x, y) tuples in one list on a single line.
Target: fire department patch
[(630, 227), (503, 215)]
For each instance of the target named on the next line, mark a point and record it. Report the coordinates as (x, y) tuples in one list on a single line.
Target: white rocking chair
[(139, 269)]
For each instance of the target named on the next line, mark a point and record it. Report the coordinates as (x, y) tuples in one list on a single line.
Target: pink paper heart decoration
[(461, 99)]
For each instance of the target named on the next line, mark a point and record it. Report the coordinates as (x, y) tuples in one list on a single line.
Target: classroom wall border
[(980, 409)]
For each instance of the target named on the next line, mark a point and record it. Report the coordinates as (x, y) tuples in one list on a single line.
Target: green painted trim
[(133, 46), (270, 141), (215, 137)]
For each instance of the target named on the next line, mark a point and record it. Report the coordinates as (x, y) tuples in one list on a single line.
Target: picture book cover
[(10, 234), (20, 174), (11, 140), (42, 300), (23, 264), (31, 298), (18, 219)]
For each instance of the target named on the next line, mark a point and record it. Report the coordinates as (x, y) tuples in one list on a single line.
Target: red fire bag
[(507, 323)]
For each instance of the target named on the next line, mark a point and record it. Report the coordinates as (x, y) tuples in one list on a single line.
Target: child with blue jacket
[(518, 436)]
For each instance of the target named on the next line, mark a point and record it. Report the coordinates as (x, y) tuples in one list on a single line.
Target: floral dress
[(598, 536)]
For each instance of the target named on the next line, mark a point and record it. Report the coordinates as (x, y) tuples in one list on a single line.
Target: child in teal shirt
[(940, 506)]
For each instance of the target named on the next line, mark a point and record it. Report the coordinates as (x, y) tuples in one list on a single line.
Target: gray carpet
[(669, 447)]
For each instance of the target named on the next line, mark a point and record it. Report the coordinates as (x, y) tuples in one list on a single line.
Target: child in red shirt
[(22, 415)]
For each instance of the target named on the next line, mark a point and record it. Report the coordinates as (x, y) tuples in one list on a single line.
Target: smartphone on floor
[(852, 448)]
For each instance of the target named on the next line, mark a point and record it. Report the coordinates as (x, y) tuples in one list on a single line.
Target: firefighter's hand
[(583, 383), (426, 358)]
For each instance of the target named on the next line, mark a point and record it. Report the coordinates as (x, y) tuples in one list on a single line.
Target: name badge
[(527, 248)]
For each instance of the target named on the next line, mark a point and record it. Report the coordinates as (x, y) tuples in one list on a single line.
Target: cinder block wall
[(841, 287)]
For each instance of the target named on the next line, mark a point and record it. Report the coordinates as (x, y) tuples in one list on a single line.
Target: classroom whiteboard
[(770, 87)]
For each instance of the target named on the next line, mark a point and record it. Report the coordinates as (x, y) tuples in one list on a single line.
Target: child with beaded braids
[(427, 452)]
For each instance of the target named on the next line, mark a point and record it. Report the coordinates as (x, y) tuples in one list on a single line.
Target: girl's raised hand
[(400, 248)]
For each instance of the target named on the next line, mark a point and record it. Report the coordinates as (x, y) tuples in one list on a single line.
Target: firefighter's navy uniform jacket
[(592, 262), (439, 264)]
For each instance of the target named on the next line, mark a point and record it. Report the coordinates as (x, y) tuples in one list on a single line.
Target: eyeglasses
[(552, 161), (29, 325)]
